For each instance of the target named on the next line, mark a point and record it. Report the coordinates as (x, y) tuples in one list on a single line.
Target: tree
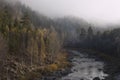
[(82, 34), (42, 47), (3, 47), (32, 49), (5, 20), (90, 33), (25, 21), (3, 54), (54, 45)]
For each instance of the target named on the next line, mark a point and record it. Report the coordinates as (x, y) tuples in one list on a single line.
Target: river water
[(85, 67)]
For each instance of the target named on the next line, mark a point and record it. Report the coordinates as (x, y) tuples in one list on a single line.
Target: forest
[(33, 43)]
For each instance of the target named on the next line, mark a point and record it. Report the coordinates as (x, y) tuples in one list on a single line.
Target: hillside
[(28, 51), (34, 46)]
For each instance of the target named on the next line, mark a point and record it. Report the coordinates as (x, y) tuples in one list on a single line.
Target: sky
[(92, 10)]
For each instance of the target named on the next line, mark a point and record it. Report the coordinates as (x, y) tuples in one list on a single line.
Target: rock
[(96, 78)]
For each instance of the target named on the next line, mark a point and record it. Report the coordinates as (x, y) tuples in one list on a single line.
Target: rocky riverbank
[(15, 70), (85, 67), (82, 65), (112, 64)]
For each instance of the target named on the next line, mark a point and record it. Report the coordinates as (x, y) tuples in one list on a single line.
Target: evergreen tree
[(90, 33), (82, 33)]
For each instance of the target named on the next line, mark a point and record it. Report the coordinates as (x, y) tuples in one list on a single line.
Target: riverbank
[(64, 71), (112, 64), (13, 69), (85, 67)]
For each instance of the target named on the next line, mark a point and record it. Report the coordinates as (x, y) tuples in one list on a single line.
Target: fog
[(91, 10)]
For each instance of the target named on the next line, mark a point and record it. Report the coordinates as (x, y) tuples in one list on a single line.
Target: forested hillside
[(33, 43), (26, 46)]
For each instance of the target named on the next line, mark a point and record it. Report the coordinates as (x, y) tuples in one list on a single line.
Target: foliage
[(36, 41), (24, 45)]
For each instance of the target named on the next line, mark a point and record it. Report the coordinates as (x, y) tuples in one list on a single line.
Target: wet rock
[(96, 78)]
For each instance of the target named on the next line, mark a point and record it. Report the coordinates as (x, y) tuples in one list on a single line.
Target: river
[(85, 67)]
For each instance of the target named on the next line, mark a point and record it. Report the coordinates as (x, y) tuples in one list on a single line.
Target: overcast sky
[(100, 10)]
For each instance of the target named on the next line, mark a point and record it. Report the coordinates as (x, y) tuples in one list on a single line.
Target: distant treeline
[(107, 41)]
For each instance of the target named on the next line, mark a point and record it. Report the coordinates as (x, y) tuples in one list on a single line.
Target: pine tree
[(82, 33), (90, 33)]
